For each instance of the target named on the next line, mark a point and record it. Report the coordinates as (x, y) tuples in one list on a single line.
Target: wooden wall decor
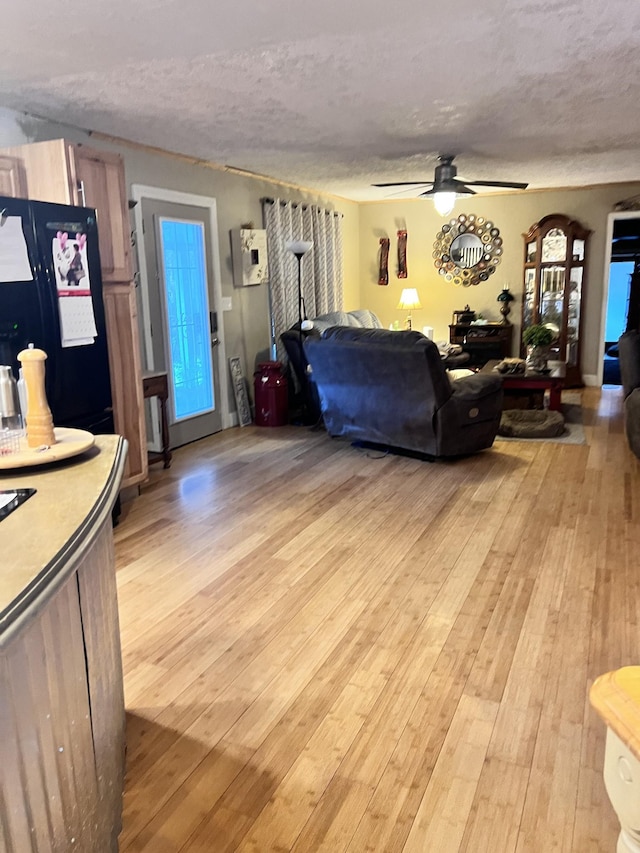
[(383, 274), (402, 254)]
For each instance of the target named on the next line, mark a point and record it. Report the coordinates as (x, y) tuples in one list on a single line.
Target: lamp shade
[(298, 247), (409, 299), (505, 295)]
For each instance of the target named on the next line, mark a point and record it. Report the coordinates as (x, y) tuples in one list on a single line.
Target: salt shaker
[(9, 406)]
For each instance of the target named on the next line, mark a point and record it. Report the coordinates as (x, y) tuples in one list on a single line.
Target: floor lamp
[(300, 248)]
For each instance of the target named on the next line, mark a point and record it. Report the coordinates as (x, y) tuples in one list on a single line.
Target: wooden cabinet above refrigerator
[(77, 174), (13, 181)]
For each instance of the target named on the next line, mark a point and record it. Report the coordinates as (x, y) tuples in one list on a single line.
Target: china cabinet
[(555, 260)]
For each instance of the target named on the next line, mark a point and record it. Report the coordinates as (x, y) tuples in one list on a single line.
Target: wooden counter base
[(62, 745)]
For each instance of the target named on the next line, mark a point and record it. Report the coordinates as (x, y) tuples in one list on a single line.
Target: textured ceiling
[(339, 94)]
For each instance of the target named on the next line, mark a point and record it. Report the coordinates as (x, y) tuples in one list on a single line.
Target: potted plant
[(537, 339)]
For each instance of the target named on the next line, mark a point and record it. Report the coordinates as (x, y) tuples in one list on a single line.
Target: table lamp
[(504, 298), (409, 301)]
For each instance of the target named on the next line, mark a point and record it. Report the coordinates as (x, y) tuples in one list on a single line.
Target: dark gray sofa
[(392, 389), (629, 355), (305, 392)]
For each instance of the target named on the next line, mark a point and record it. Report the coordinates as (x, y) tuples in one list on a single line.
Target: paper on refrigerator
[(14, 257), (6, 498)]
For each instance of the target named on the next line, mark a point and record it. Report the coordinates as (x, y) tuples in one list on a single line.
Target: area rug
[(573, 426)]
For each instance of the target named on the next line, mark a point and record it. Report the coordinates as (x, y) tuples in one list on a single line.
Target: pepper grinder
[(39, 419)]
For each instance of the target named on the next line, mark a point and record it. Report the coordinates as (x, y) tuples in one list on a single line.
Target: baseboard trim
[(591, 379)]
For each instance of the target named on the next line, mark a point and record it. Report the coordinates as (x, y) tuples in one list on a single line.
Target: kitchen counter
[(37, 540), (62, 745), (616, 697)]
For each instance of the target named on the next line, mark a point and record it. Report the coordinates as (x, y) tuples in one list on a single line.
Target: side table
[(157, 385), (553, 381)]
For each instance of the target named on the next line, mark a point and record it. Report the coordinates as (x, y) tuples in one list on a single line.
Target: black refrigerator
[(51, 297)]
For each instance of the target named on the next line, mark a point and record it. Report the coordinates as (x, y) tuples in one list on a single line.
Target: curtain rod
[(295, 204)]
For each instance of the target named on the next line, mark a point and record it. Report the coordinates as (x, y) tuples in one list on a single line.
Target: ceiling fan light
[(444, 202)]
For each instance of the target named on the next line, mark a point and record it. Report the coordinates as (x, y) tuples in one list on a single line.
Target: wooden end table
[(156, 385), (530, 381)]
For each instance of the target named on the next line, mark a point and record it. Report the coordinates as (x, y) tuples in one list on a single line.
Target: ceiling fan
[(445, 187)]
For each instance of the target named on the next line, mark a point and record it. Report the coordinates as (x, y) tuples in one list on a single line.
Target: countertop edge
[(35, 595), (615, 696)]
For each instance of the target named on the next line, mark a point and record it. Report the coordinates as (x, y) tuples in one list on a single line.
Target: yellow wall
[(513, 214), (352, 293)]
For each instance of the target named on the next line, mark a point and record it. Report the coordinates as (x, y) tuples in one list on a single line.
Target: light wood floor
[(329, 650)]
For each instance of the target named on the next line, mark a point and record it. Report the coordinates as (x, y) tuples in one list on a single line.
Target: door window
[(187, 311)]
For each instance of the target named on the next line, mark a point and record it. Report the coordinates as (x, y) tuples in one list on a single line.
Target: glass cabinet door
[(573, 317), (554, 246), (552, 297), (529, 301), (578, 250)]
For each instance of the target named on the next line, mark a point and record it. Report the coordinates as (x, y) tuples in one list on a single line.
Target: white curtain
[(322, 277)]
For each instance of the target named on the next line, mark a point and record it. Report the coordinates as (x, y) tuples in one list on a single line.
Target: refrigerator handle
[(81, 193)]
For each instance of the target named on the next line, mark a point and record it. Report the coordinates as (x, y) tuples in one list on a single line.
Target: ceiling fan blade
[(508, 184), (406, 192), (404, 184)]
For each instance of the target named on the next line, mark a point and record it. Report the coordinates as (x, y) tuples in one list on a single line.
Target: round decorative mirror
[(467, 250)]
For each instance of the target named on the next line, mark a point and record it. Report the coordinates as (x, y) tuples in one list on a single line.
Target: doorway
[(180, 299), (622, 254)]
